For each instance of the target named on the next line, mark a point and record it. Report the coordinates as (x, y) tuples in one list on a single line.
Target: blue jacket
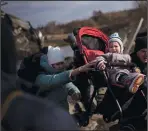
[(59, 85), (52, 80)]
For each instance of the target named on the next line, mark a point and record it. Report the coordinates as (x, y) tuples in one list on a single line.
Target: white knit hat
[(55, 55), (115, 38)]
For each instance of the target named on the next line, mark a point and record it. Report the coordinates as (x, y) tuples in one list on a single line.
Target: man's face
[(142, 54)]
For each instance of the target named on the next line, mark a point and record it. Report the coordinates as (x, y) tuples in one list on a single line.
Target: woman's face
[(114, 47), (142, 54), (59, 66)]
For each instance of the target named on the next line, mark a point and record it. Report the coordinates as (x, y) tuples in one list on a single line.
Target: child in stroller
[(120, 77)]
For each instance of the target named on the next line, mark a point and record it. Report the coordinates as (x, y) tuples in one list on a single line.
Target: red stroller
[(88, 43)]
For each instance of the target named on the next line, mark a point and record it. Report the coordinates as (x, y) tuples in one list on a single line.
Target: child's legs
[(125, 79), (115, 74)]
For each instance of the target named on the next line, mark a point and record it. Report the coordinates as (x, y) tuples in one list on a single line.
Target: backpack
[(30, 67)]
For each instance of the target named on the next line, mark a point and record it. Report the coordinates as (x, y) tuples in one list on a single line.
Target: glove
[(101, 65), (87, 67)]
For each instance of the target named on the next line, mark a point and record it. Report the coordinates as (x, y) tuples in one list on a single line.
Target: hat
[(115, 38), (141, 43), (55, 55), (141, 34)]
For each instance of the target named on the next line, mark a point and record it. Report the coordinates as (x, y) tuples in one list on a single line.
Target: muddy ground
[(96, 122)]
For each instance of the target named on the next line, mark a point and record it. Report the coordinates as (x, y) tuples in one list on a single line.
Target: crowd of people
[(35, 97)]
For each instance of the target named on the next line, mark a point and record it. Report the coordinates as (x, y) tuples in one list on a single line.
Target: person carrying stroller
[(139, 57), (53, 80), (119, 76)]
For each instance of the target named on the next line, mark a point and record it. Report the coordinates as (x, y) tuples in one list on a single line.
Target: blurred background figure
[(22, 111)]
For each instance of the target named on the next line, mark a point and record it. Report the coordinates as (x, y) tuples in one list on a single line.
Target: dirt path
[(96, 122)]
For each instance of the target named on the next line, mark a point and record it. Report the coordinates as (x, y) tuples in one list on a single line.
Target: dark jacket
[(141, 43), (142, 66)]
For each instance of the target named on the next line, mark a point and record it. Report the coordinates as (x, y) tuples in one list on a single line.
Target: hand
[(84, 68), (87, 67), (101, 65)]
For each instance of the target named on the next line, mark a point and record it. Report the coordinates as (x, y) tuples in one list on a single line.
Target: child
[(119, 76)]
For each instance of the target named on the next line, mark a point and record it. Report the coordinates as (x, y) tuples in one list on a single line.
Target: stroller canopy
[(91, 42)]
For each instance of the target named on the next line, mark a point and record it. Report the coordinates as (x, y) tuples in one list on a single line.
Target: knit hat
[(142, 34), (55, 55), (115, 38), (141, 43)]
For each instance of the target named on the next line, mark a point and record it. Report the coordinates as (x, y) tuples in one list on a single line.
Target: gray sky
[(41, 12)]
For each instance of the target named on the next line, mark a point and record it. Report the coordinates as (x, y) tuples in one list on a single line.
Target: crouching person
[(50, 79)]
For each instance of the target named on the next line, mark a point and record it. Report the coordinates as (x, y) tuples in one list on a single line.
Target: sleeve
[(105, 57), (71, 88), (122, 58), (128, 58), (114, 57), (47, 81), (45, 65)]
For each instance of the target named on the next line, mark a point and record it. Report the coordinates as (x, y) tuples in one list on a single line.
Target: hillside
[(124, 22), (99, 20)]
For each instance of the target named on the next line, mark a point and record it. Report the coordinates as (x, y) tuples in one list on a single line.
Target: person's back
[(30, 65), (27, 72), (27, 112)]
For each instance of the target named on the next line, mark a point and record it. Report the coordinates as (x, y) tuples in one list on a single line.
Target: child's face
[(114, 47), (59, 65)]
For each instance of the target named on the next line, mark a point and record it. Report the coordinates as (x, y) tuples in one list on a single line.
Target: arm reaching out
[(47, 81), (112, 57)]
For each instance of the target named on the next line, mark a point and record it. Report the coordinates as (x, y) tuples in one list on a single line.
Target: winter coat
[(115, 57), (57, 85)]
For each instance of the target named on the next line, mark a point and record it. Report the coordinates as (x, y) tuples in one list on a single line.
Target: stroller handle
[(116, 64)]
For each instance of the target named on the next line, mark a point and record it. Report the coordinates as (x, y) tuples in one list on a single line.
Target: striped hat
[(116, 38)]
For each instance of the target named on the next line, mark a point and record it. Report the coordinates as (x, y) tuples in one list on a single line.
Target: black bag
[(30, 67)]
